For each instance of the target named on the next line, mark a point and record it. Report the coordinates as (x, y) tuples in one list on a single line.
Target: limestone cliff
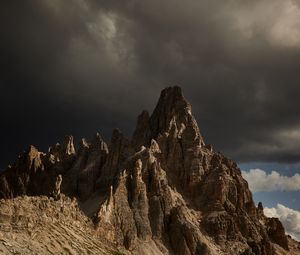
[(162, 192)]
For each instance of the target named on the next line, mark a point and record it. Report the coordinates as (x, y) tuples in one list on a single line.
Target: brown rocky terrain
[(162, 192), (41, 225)]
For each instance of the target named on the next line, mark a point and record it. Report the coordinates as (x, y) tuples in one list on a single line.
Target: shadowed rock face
[(162, 192)]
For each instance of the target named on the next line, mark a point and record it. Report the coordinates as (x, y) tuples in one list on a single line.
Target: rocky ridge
[(162, 192)]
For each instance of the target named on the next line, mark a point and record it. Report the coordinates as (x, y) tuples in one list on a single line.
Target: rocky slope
[(40, 225), (162, 192)]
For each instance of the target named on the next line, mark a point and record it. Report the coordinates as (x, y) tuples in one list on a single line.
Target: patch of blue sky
[(289, 199)]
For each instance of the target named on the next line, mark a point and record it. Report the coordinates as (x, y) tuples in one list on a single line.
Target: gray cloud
[(84, 66)]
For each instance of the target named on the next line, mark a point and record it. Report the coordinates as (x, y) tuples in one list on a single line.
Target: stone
[(276, 232), (56, 191), (162, 192)]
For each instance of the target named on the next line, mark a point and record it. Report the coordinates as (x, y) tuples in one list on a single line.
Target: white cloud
[(259, 180), (290, 219)]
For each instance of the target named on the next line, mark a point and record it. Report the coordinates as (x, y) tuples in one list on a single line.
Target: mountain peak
[(173, 111), (172, 115), (172, 92), (161, 193), (173, 100)]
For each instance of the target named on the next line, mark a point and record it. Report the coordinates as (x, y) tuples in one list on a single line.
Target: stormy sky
[(82, 66)]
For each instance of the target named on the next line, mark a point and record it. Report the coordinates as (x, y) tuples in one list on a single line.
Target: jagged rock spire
[(33, 158), (142, 131), (173, 109), (98, 143), (170, 104), (173, 115), (68, 145)]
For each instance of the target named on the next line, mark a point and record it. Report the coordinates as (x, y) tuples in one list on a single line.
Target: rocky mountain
[(162, 192)]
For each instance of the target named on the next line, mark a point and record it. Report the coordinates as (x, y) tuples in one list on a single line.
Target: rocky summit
[(162, 192)]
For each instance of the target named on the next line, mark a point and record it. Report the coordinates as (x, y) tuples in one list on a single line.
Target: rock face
[(162, 192)]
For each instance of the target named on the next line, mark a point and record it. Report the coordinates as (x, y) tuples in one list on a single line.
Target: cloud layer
[(260, 181), (289, 218), (86, 65)]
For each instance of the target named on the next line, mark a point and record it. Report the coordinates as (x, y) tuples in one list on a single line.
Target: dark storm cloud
[(82, 66)]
